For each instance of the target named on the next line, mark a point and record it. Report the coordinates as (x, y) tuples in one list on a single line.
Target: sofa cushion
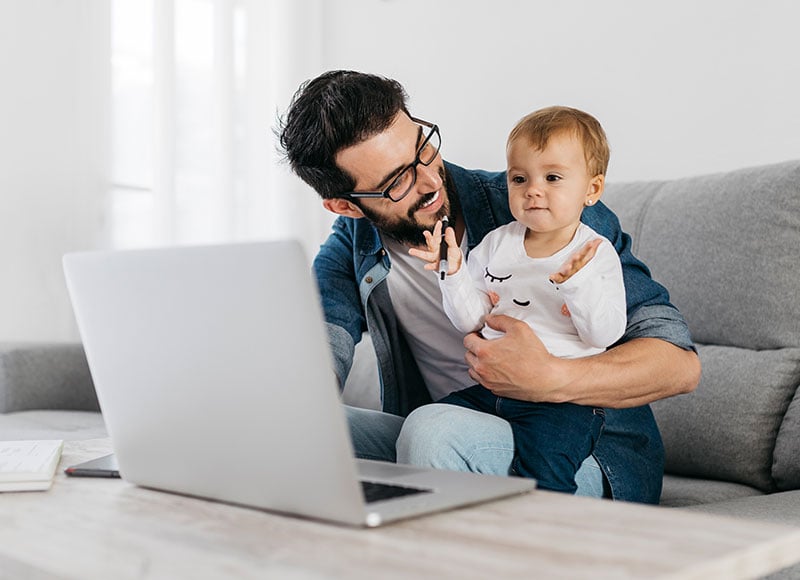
[(726, 429), (363, 387), (67, 425), (45, 376), (680, 491), (779, 508), (786, 460), (726, 247)]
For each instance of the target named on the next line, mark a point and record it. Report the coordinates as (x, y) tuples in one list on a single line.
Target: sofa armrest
[(45, 376)]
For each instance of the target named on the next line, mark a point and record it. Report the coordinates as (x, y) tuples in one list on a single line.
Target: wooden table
[(103, 528)]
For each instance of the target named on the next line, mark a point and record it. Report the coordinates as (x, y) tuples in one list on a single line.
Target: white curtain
[(198, 87)]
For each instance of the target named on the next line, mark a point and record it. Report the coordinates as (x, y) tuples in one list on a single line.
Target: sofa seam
[(790, 400), (639, 225)]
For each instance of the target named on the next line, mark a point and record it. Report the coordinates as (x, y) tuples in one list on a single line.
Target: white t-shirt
[(595, 315), (436, 344)]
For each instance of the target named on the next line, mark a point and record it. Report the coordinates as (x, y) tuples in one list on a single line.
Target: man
[(351, 137)]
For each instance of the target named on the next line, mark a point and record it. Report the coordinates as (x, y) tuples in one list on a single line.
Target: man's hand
[(515, 366), (637, 372), (576, 261)]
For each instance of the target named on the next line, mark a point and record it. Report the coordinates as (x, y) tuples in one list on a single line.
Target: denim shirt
[(351, 269)]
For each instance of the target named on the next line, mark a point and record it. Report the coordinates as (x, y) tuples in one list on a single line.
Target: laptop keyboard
[(374, 491)]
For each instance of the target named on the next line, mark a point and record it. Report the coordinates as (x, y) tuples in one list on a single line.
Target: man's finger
[(502, 322)]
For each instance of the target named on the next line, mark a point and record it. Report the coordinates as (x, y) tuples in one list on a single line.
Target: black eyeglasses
[(405, 180)]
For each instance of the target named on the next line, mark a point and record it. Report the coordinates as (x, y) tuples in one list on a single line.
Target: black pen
[(443, 265)]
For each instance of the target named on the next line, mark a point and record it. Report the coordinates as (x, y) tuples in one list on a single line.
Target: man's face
[(373, 164)]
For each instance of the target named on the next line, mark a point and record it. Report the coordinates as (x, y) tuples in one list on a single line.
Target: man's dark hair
[(334, 111)]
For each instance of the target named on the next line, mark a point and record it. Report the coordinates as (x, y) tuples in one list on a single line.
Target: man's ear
[(596, 187), (343, 207)]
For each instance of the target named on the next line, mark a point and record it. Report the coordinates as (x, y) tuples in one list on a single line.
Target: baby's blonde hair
[(538, 127)]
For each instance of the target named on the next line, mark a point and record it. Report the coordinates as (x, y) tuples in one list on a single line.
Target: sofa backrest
[(727, 247), (45, 376)]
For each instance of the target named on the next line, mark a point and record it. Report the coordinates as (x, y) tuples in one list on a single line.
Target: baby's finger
[(432, 241), (423, 254)]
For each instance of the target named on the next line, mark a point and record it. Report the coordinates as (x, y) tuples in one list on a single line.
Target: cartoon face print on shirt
[(495, 296)]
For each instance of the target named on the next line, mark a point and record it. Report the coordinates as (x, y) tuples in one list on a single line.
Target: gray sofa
[(46, 392), (727, 247)]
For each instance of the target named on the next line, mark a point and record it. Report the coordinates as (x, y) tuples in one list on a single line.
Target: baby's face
[(548, 188)]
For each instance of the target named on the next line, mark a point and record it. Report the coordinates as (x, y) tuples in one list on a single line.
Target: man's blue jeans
[(551, 439), (448, 437)]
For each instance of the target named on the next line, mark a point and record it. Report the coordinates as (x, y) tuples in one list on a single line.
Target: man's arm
[(334, 271), (631, 374)]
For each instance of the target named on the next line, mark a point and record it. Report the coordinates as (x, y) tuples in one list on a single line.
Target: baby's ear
[(595, 190)]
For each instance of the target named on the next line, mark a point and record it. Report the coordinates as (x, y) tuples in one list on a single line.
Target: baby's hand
[(576, 261), (431, 255)]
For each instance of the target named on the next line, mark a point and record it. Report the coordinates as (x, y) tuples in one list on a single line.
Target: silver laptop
[(215, 379)]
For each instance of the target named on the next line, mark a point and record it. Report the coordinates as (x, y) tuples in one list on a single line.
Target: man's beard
[(407, 230)]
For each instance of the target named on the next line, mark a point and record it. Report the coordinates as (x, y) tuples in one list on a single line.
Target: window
[(195, 98)]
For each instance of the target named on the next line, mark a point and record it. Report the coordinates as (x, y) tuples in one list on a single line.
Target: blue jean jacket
[(351, 269)]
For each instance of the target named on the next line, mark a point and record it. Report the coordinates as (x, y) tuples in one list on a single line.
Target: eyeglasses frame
[(412, 166)]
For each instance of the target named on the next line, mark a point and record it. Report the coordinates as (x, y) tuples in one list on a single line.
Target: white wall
[(53, 155), (681, 87)]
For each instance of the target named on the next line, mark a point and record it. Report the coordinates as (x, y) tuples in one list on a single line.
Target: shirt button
[(368, 279)]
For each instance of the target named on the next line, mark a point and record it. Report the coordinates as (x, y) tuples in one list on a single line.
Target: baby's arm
[(465, 305), (595, 297)]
